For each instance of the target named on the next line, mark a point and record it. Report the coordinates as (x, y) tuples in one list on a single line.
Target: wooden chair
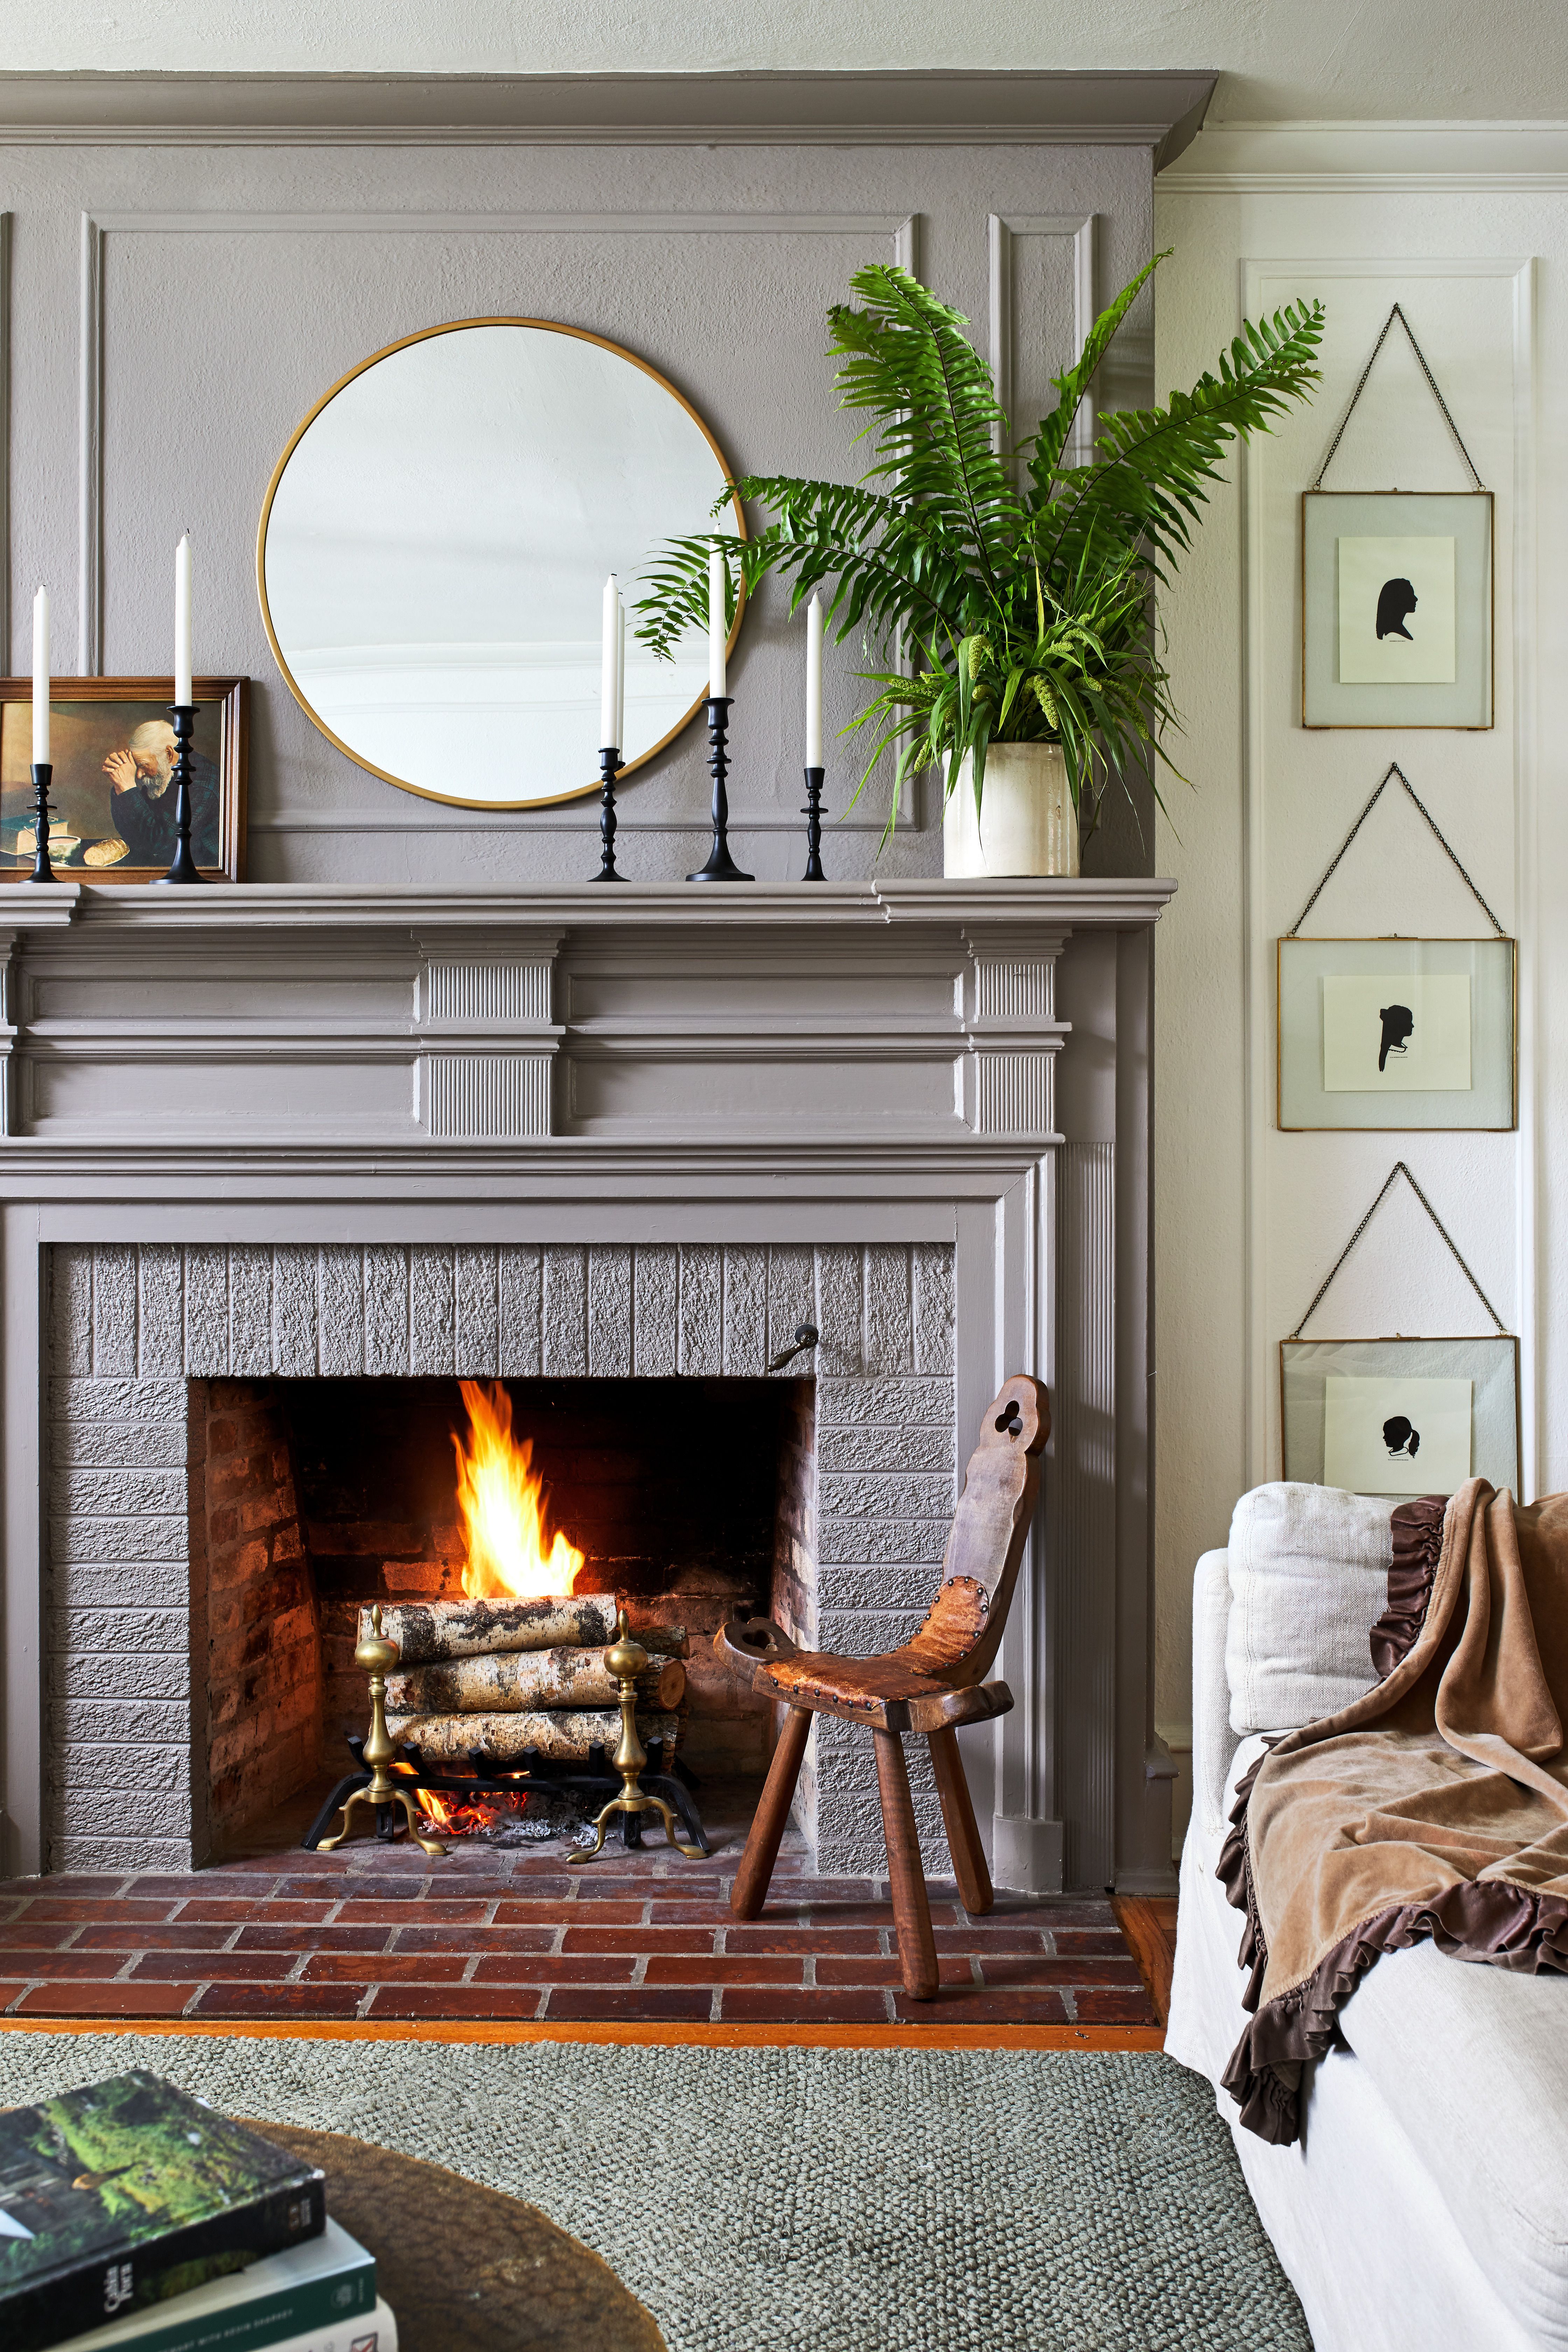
[(934, 1684)]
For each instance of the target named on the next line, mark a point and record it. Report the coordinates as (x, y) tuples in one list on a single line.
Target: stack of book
[(132, 2215)]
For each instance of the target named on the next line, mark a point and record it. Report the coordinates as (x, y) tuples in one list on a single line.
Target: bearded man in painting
[(141, 779)]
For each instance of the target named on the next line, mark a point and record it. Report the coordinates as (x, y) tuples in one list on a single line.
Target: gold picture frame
[(1300, 1092), (1490, 1362), (112, 792), (1328, 699)]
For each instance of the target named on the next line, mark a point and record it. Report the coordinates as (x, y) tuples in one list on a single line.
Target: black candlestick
[(812, 812), (184, 867), (721, 865), (43, 773), (610, 762)]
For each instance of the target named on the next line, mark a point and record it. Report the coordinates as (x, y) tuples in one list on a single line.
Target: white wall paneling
[(1249, 1219)]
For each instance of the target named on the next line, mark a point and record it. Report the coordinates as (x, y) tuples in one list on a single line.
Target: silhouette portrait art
[(1398, 1023), (1395, 603), (1401, 1439)]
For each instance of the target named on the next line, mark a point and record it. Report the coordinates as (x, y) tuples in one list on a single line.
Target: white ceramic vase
[(1028, 824)]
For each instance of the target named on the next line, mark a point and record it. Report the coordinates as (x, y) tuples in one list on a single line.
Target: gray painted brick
[(162, 1813), (70, 1303), (853, 1404), (124, 1633), (84, 1540), (161, 1771), (701, 1310), (118, 1445), (792, 1300), (865, 1633), (130, 1493), (343, 1311), (117, 1854), (656, 1310), (113, 1311), (167, 1720), (884, 1495), (869, 1541), (890, 1324), (133, 1583), (206, 1312), (477, 1277), (296, 1312), (108, 1401), (935, 1306), (610, 1311), (522, 1279), (432, 1334), (92, 1672), (908, 1446), (745, 1311), (161, 1317), (842, 1771), (565, 1311), (386, 1309), (840, 1310), (251, 1311), (884, 1585)]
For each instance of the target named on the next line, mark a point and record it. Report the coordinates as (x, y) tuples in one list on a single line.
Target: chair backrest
[(991, 1525)]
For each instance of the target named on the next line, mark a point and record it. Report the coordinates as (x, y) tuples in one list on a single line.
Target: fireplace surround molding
[(294, 1129)]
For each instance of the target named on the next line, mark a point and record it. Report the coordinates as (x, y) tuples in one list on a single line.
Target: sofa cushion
[(1472, 2061), (1308, 1579)]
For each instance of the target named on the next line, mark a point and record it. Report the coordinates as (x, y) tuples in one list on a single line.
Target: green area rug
[(836, 2201)]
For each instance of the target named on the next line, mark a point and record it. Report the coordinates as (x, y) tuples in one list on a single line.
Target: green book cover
[(123, 2193), (327, 2281)]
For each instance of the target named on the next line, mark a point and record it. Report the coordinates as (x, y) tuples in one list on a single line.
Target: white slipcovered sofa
[(1424, 2207)]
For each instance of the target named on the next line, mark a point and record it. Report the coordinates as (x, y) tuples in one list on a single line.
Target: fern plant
[(1006, 592)]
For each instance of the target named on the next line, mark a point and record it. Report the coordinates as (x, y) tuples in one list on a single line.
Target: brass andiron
[(375, 1656), (627, 1660)]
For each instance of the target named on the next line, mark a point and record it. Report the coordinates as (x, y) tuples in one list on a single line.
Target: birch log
[(562, 1738), (429, 1630), (507, 1680)]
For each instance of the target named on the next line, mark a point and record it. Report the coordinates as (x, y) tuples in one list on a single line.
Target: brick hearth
[(383, 1934)]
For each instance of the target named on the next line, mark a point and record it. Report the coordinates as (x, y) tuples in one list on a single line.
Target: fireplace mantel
[(280, 1076)]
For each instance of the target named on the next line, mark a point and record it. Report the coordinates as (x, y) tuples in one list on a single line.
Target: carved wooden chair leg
[(958, 1819), (911, 1911), (752, 1881)]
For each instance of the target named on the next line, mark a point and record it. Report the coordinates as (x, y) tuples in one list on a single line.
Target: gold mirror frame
[(426, 334)]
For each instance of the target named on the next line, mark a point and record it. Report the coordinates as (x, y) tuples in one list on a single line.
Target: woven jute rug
[(834, 2201)]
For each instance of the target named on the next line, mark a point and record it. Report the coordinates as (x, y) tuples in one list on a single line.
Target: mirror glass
[(434, 550)]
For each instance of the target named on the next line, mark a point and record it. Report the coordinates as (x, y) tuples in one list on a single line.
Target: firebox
[(683, 1499)]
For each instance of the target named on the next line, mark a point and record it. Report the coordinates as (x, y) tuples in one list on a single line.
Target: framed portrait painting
[(112, 795), (1396, 608), (1396, 1033), (1400, 1416)]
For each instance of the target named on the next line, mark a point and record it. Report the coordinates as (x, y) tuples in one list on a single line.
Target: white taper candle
[(718, 628), (183, 620), (609, 656), (814, 684), (620, 734), (41, 676)]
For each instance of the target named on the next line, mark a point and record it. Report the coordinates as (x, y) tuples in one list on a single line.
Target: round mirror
[(434, 548)]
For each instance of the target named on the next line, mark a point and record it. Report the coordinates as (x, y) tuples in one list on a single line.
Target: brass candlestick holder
[(375, 1656), (627, 1660)]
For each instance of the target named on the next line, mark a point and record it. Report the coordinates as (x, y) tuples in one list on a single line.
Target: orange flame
[(455, 1819), (511, 1555)]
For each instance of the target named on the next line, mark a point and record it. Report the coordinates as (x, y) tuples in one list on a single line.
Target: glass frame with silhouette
[(1305, 1100), (1489, 1365), (1328, 699)]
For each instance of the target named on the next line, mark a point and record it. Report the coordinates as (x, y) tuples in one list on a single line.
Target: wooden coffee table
[(464, 2268)]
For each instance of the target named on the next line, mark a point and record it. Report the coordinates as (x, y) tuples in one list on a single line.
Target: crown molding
[(1232, 158), (1162, 111)]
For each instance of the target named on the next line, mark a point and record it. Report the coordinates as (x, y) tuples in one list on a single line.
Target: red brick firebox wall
[(256, 1639)]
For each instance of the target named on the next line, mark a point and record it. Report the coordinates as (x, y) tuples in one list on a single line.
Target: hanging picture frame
[(1396, 594), (1400, 1415), (1396, 1032)]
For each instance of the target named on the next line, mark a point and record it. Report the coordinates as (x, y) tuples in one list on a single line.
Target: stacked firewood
[(501, 1678)]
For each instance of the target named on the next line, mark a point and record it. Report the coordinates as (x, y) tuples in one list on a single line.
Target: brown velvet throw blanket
[(1436, 1805)]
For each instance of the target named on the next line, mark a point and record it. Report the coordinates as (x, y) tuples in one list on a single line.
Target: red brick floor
[(378, 1933)]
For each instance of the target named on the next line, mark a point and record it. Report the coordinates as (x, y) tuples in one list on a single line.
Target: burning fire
[(511, 1555), (455, 1819)]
